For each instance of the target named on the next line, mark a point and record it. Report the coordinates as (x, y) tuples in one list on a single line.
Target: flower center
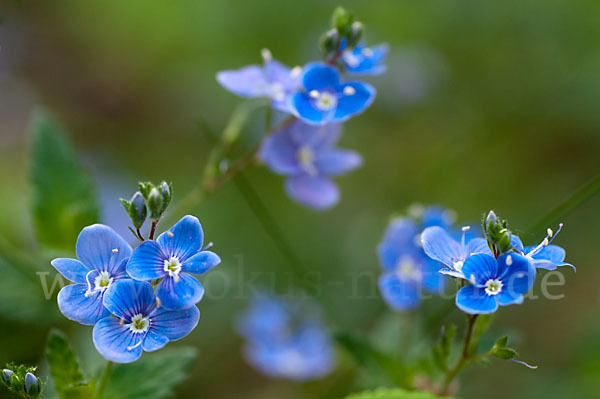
[(103, 281), (139, 324), (458, 265), (324, 100), (306, 157), (493, 286), (172, 266), (407, 269)]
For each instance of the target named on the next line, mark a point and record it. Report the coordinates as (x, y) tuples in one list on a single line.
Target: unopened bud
[(491, 218), (6, 374), (330, 42), (137, 210), (155, 202), (165, 189), (32, 385)]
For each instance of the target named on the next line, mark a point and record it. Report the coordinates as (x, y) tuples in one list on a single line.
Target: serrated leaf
[(69, 381), (154, 376), (63, 199), (393, 394)]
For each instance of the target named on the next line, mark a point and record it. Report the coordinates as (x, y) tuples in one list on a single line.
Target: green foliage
[(154, 376), (16, 382), (441, 352), (63, 199), (69, 381), (481, 325), (393, 394), (500, 350)]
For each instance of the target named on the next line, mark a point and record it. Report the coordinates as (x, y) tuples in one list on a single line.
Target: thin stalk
[(464, 358), (104, 380)]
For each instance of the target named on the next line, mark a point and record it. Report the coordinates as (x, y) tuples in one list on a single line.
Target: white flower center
[(277, 91), (306, 157), (493, 286), (458, 265), (103, 281), (172, 266), (324, 100), (139, 324), (407, 269)]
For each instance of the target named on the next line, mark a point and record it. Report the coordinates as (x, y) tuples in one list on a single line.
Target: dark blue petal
[(319, 76), (473, 300), (246, 82), (279, 152), (317, 192), (399, 294), (175, 324), (72, 269), (153, 341), (128, 298), (73, 303), (116, 342), (201, 262), (479, 268), (302, 107), (506, 298), (182, 240), (516, 272), (147, 261), (349, 105), (179, 293), (432, 280), (552, 253), (336, 162), (100, 247), (399, 241), (438, 245)]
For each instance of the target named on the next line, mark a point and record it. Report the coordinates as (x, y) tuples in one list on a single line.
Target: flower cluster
[(22, 381), (137, 300), (316, 99), (283, 342)]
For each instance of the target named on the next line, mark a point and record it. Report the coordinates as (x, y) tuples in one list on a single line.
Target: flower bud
[(6, 374), (137, 209), (330, 42), (491, 218), (155, 202), (342, 20), (356, 34), (165, 190), (32, 385)]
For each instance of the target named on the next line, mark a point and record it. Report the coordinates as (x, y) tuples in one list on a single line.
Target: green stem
[(464, 358), (104, 380)]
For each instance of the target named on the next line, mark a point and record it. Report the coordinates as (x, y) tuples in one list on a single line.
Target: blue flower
[(139, 325), (326, 99), (362, 60), (407, 270), (307, 156), (173, 255), (544, 255), (281, 342), (272, 80), (494, 282), (440, 246), (102, 255)]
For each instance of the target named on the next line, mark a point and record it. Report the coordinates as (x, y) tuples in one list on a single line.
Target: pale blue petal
[(317, 192), (116, 342), (175, 324), (336, 162), (319, 76), (245, 82), (128, 298), (153, 341), (349, 105), (438, 245), (478, 245), (72, 269), (201, 262), (73, 303), (473, 300), (436, 215), (398, 241), (147, 261), (100, 247), (399, 294), (279, 152), (516, 242), (182, 240), (451, 273), (181, 294), (480, 268)]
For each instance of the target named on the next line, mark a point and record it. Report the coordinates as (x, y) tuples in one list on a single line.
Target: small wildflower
[(362, 60), (544, 255)]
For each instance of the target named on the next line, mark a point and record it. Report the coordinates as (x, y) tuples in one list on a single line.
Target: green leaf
[(154, 376), (504, 353), (69, 381), (63, 199), (501, 342), (442, 351), (393, 394)]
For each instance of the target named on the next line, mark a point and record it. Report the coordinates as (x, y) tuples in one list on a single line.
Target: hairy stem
[(464, 358), (104, 380)]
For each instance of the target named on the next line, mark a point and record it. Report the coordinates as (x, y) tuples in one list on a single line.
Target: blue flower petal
[(319, 76), (72, 269), (302, 107), (279, 152), (128, 298), (451, 273), (473, 300), (436, 215), (478, 245), (399, 294), (479, 268), (516, 272), (180, 293), (175, 324), (358, 62), (506, 298), (317, 192), (153, 341), (398, 241), (73, 303), (245, 82), (336, 162), (349, 105), (438, 245), (147, 261), (116, 342), (516, 242), (432, 281), (201, 262), (182, 240), (549, 258), (100, 247)]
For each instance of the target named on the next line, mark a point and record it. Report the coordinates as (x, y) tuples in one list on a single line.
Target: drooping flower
[(324, 98), (102, 255), (494, 282), (283, 342), (174, 256), (140, 324), (362, 60), (272, 80), (307, 155), (440, 246), (544, 255)]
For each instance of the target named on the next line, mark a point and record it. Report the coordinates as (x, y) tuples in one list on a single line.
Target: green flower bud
[(165, 189), (137, 210), (155, 203), (330, 42), (342, 20), (33, 386), (356, 34)]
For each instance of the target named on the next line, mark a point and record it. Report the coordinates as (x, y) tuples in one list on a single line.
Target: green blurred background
[(485, 104)]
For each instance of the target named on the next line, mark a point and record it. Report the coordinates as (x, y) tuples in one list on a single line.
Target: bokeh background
[(484, 105)]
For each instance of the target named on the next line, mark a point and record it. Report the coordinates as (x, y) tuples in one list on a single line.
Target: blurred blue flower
[(139, 325), (173, 255), (544, 255), (326, 99), (494, 282), (272, 80), (362, 60), (102, 255), (307, 156), (440, 246), (407, 270), (283, 342)]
